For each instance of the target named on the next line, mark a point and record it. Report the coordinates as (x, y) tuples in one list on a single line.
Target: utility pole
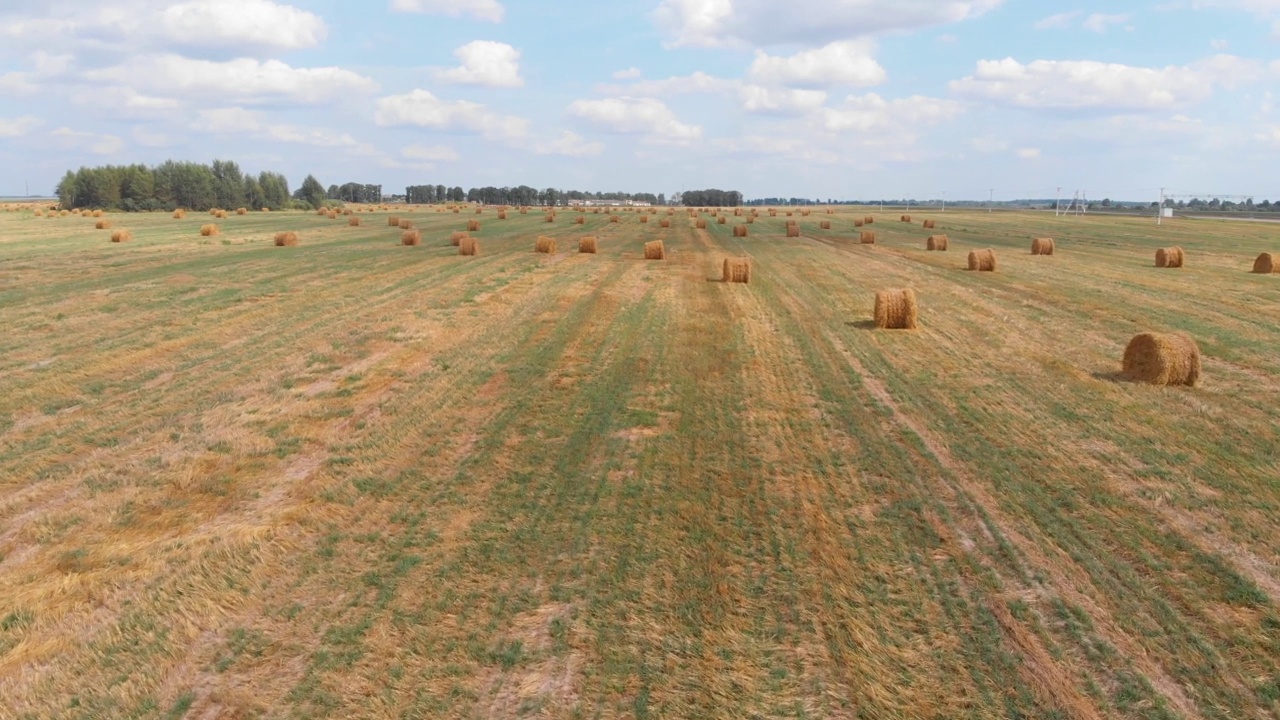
[(991, 198), (944, 201), (1057, 202), (1160, 209)]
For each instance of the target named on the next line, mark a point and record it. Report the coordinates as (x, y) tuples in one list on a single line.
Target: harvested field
[(347, 480)]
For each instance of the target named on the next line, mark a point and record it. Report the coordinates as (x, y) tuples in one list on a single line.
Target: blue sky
[(810, 98)]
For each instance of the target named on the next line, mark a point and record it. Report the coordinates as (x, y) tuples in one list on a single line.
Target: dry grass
[(209, 230), (867, 237), (655, 250), (286, 238), (982, 260), (896, 310), (1043, 246), (545, 245), (937, 242), (120, 236), (1265, 264), (469, 246), (587, 245), (412, 238), (1162, 359), (1171, 257), (736, 270)]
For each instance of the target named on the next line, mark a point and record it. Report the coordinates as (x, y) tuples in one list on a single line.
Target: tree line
[(174, 184), (520, 195), (711, 198)]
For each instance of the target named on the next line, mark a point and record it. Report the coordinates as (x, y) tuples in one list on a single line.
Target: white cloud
[(258, 23), (241, 81), (490, 10), (871, 113), (847, 62), (430, 154), (16, 83), (570, 144), (988, 144), (147, 138), (240, 122), (1219, 44), (484, 62), (699, 83), (1061, 20), (127, 102), (1100, 22), (780, 101), (636, 116), (91, 142), (1091, 85), (1029, 153), (809, 23), (423, 109), (17, 127), (630, 73), (1269, 135)]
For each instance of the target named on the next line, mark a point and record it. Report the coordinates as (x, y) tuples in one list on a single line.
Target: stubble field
[(356, 479)]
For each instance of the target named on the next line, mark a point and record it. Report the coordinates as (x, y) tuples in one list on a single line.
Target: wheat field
[(353, 478)]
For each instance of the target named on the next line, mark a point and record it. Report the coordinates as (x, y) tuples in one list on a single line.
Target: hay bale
[(580, 220), (524, 211), (266, 209), (412, 238), (805, 212), (102, 225), (825, 225), (740, 230), (473, 226), (457, 238), (644, 219), (1042, 246), (869, 220), (751, 219), (208, 230), (937, 242), (896, 309), (701, 224), (179, 214), (242, 211), (930, 224), (868, 237), (120, 236), (773, 212), (347, 211), (332, 214), (982, 260), (655, 250), (664, 223), (1265, 264), (468, 246), (587, 245), (551, 217), (793, 230), (86, 213), (906, 218), (221, 215), (39, 213), (859, 223), (545, 245), (286, 239), (615, 219), (353, 221), (65, 213), (721, 220), (790, 213), (1172, 257), (479, 211), (96, 213), (737, 270), (1162, 359), (405, 224), (393, 221), (502, 214)]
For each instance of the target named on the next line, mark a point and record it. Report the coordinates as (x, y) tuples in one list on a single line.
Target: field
[(356, 479)]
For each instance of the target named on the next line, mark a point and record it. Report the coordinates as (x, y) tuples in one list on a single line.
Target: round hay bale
[(242, 211), (773, 212), (286, 239), (393, 221), (412, 238), (96, 213), (545, 245), (221, 215), (332, 214), (587, 245), (896, 309), (740, 230), (664, 223), (737, 270), (793, 230), (1162, 359), (102, 225), (1265, 264), (266, 209), (859, 223), (867, 237), (655, 250), (479, 211), (982, 260), (701, 224), (937, 242), (722, 220), (825, 225), (615, 219), (120, 236), (551, 217), (580, 220), (353, 221), (502, 215), (86, 213), (473, 226), (869, 220), (1042, 246), (751, 219), (208, 230), (644, 219), (468, 246), (405, 224), (790, 213), (456, 238), (930, 224), (524, 211), (1172, 257), (179, 214), (906, 218)]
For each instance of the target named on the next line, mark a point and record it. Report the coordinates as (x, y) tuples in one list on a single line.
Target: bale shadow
[(1113, 376), (862, 324)]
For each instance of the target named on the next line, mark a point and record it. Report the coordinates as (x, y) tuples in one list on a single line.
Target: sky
[(926, 99)]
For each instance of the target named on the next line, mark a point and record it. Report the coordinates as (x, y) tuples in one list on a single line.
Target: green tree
[(312, 192)]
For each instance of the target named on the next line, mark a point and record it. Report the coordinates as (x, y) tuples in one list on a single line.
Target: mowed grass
[(356, 479)]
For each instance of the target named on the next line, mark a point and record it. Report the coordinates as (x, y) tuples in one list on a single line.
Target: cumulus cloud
[(490, 10), (570, 144), (1029, 153), (16, 83), (872, 113), (648, 117), (19, 126), (422, 109), (242, 122), (630, 73), (846, 62), (809, 23), (698, 83), (1061, 20), (258, 23), (87, 141), (492, 64), (241, 81), (1100, 22), (430, 154), (763, 100), (1091, 85)]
